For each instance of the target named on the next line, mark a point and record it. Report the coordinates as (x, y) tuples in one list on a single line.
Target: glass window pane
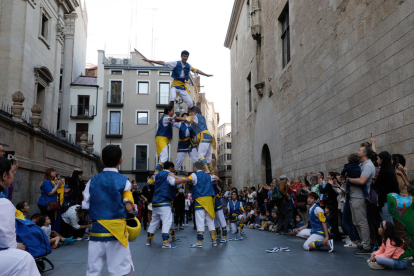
[(143, 87), (141, 158), (115, 122), (164, 93), (142, 118), (143, 73)]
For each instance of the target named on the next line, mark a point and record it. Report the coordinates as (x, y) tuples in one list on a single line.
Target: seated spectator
[(23, 207), (257, 223), (70, 223), (35, 218), (272, 222), (264, 219), (14, 259), (318, 232), (265, 207), (55, 238), (299, 222), (391, 249)]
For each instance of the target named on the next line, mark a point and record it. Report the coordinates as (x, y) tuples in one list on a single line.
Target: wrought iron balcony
[(82, 111), (115, 99)]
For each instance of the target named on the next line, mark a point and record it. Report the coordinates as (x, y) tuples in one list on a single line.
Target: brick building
[(313, 79)]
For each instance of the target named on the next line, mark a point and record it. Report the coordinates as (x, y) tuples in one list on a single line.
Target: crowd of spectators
[(354, 201)]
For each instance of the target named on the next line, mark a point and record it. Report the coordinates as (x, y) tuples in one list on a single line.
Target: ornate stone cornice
[(234, 20), (70, 23), (32, 3), (69, 5)]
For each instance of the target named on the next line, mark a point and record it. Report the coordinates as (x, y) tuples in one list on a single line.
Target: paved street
[(247, 257)]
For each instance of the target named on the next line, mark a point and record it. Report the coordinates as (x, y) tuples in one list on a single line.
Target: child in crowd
[(257, 220), (265, 219), (391, 249), (299, 222), (353, 170), (54, 238), (318, 232), (271, 224), (35, 218)]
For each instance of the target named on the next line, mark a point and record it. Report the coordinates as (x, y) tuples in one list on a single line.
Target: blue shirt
[(46, 188)]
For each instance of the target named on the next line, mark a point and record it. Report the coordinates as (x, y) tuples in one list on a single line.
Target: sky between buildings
[(199, 26)]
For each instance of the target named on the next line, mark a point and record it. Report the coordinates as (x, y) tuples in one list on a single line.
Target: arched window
[(267, 163)]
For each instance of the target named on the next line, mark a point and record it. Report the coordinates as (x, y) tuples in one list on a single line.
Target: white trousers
[(164, 155), (181, 156), (312, 238), (204, 151), (159, 214), (183, 95), (304, 233), (115, 254), (219, 220), (201, 216), (16, 262)]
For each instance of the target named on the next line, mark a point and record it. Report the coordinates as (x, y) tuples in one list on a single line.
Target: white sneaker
[(375, 265), (351, 245)]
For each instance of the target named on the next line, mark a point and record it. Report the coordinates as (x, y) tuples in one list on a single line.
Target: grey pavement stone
[(247, 257)]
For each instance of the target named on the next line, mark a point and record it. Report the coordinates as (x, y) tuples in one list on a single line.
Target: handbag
[(52, 206)]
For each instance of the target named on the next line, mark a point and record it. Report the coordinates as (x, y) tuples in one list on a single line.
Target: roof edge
[(235, 15)]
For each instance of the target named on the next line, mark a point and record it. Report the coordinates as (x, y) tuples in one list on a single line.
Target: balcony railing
[(72, 139), (115, 99), (140, 164), (114, 130), (82, 111), (163, 99)]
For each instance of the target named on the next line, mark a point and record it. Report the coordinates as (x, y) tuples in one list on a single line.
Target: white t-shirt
[(250, 197), (48, 230), (187, 204)]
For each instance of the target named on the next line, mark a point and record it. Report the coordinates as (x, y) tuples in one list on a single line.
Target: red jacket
[(293, 190)]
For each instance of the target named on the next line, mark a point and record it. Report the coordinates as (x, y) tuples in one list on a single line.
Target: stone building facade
[(42, 49), (224, 154), (311, 80)]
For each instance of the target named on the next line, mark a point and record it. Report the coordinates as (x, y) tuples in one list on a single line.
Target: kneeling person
[(236, 216), (318, 232)]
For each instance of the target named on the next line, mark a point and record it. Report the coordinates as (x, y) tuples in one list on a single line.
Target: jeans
[(385, 215), (348, 224), (392, 264), (284, 216)]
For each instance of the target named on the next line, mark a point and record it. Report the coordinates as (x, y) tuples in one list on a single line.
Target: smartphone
[(9, 154)]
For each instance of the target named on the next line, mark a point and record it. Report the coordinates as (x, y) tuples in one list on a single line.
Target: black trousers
[(66, 230), (144, 214), (179, 216), (284, 216)]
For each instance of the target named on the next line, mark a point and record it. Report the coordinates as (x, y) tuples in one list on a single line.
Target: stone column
[(67, 69), (17, 107)]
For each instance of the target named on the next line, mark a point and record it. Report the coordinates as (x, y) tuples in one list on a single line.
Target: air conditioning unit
[(115, 61), (125, 61)]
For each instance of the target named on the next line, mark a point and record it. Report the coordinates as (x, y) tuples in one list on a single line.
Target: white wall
[(95, 125), (79, 55)]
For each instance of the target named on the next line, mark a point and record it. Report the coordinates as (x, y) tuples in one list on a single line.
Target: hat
[(314, 195), (283, 177)]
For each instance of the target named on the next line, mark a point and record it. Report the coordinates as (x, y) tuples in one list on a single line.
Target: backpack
[(276, 194), (33, 237)]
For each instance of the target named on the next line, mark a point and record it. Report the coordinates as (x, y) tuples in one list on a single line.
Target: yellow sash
[(200, 137), (161, 143), (208, 204), (117, 227), (180, 84)]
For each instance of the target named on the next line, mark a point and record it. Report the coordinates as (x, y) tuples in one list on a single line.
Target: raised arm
[(153, 61), (202, 73)]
